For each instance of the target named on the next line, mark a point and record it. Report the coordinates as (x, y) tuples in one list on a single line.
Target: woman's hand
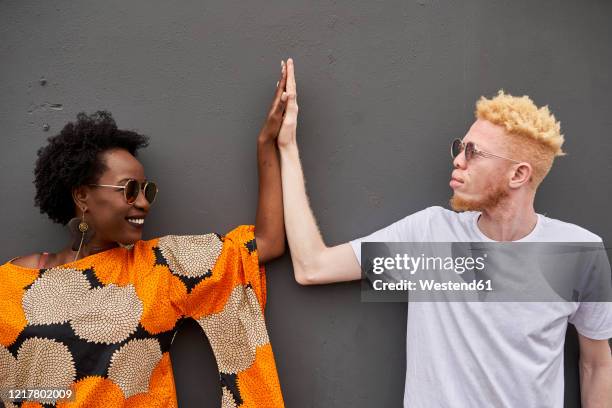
[(271, 127), (287, 134)]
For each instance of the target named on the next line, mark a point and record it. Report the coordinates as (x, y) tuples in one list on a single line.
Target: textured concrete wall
[(383, 87)]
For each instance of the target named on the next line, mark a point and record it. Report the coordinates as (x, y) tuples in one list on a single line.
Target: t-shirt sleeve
[(408, 229), (211, 266), (593, 320)]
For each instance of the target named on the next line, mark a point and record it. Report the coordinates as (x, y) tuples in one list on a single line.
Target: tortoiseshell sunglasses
[(132, 189)]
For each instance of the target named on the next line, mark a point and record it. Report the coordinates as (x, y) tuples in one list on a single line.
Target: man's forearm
[(269, 222), (596, 385), (305, 241)]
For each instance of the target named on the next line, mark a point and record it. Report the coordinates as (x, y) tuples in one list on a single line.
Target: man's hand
[(274, 119), (289, 97)]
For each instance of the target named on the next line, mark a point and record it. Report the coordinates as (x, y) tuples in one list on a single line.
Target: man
[(504, 354)]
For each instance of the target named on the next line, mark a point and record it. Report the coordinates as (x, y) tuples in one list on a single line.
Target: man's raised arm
[(313, 262)]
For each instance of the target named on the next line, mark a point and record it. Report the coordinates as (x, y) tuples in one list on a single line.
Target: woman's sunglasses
[(457, 146), (132, 189)]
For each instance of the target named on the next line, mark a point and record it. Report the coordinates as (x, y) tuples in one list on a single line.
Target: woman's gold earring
[(83, 226), (81, 233)]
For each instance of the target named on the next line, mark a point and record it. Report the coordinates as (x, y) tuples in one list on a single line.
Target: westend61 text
[(432, 285)]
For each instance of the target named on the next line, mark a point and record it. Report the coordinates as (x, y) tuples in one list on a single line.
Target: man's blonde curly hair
[(534, 133)]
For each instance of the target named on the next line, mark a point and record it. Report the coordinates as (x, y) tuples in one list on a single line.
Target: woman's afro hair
[(73, 158)]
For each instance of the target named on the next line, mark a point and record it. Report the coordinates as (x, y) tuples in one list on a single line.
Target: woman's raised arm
[(269, 222)]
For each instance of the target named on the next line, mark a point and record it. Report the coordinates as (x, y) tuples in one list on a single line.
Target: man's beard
[(491, 199)]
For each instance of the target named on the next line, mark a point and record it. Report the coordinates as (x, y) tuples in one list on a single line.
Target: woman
[(97, 318)]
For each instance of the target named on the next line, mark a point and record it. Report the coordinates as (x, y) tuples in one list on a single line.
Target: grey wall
[(383, 87)]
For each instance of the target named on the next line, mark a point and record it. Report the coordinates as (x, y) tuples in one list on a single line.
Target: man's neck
[(508, 221)]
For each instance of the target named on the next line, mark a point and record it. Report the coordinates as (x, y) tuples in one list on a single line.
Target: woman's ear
[(80, 197)]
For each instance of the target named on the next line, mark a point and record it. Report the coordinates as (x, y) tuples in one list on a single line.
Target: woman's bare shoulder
[(27, 261)]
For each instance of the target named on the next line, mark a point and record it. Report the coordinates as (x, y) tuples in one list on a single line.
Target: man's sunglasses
[(457, 146), (132, 188)]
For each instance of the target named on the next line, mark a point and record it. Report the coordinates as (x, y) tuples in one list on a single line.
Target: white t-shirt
[(488, 354)]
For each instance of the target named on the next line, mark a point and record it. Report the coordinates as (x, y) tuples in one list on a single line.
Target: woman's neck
[(67, 254)]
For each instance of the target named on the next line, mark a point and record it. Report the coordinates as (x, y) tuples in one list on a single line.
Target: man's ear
[(522, 175)]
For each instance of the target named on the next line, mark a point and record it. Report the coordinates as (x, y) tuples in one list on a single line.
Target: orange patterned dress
[(103, 325)]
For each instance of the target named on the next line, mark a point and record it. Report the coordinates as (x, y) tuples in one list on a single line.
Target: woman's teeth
[(138, 221)]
